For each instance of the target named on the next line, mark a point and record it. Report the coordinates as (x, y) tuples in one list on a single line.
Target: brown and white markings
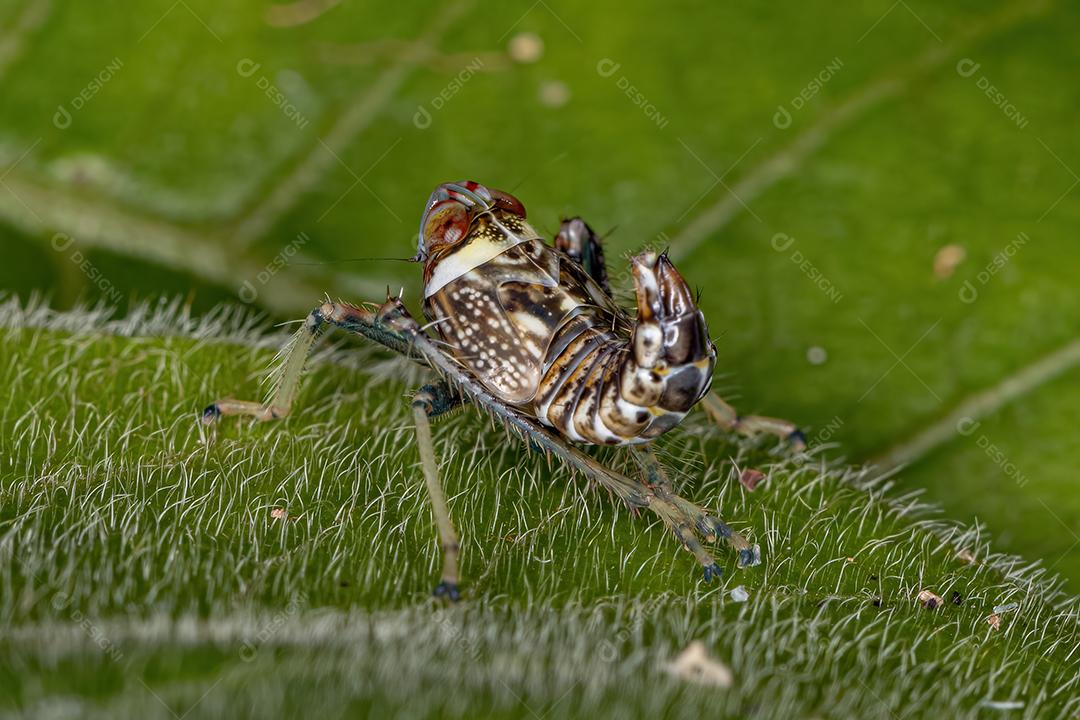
[(529, 332)]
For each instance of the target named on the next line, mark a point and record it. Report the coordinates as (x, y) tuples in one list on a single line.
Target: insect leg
[(709, 526), (542, 438), (578, 240), (727, 418), (429, 401), (634, 493), (287, 376)]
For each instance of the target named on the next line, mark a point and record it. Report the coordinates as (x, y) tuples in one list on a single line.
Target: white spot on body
[(531, 324)]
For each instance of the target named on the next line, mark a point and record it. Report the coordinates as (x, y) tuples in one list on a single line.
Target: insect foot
[(750, 556), (711, 528), (211, 414), (448, 591), (713, 571)]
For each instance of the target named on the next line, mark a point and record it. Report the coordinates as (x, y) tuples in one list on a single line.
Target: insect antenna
[(717, 338), (335, 261), (529, 176)]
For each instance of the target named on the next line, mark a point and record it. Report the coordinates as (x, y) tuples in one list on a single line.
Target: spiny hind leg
[(635, 493), (431, 401), (579, 241), (729, 419), (294, 356), (692, 515)]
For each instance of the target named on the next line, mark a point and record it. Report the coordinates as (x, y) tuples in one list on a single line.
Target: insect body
[(529, 332), (545, 337)]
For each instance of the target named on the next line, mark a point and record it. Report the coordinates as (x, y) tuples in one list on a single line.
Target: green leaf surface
[(805, 163), (153, 567)]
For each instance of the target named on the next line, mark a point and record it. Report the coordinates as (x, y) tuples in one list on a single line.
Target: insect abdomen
[(603, 388)]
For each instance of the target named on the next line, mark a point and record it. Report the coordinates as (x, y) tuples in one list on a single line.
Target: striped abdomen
[(603, 387), (540, 334)]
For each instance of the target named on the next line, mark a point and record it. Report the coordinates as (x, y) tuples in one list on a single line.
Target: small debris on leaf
[(1006, 607), (816, 355), (947, 259), (930, 600), (554, 93), (957, 598), (750, 478), (279, 513), (966, 556), (740, 594), (877, 602), (525, 47), (694, 664), (1003, 704), (994, 621)]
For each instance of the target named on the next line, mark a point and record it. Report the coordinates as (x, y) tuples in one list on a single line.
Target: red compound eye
[(446, 223)]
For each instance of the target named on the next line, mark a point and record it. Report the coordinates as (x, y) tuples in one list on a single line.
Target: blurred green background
[(877, 201)]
